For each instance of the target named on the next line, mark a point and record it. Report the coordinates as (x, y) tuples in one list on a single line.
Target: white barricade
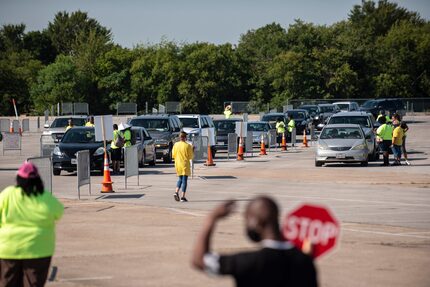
[(293, 137), (44, 166), (272, 139), (131, 164), (16, 126), (248, 143), (83, 169), (25, 125), (11, 141), (4, 125), (47, 145)]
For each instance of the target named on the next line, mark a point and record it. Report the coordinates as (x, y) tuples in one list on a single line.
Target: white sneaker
[(407, 162)]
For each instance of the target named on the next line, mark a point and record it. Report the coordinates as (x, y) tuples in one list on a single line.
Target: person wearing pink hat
[(27, 229)]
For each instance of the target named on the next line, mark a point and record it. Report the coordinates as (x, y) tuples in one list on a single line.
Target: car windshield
[(64, 122), (370, 104), (271, 118), (190, 122), (160, 125), (341, 133), (343, 107), (225, 126), (258, 127), (326, 109), (296, 115), (310, 109), (79, 136), (362, 121)]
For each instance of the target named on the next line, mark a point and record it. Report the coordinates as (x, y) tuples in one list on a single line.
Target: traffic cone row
[(263, 146), (107, 182), (240, 152), (209, 161), (305, 140), (284, 142)]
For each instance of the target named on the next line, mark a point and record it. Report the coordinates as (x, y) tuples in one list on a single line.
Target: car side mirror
[(46, 126)]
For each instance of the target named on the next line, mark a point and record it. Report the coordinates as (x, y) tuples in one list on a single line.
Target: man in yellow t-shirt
[(397, 142), (182, 153)]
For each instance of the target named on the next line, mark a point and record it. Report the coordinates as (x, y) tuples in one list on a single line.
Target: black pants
[(24, 272)]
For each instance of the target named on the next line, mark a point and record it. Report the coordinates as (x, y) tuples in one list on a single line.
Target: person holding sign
[(277, 263)]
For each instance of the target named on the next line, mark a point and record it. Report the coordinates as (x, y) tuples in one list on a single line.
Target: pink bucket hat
[(28, 170)]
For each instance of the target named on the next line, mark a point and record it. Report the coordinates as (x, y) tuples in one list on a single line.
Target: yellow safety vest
[(385, 132), (291, 125), (280, 127)]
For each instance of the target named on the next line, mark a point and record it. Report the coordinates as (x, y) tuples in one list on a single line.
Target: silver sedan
[(342, 143)]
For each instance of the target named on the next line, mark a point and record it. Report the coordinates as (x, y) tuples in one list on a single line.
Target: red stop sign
[(313, 223)]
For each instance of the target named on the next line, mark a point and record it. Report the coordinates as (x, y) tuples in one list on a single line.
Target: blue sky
[(218, 21)]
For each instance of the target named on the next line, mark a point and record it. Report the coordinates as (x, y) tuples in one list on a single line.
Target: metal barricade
[(47, 145), (312, 130), (44, 166), (293, 137), (25, 125), (16, 125), (173, 107), (4, 125), (161, 109), (272, 139), (83, 169), (67, 108), (231, 144), (200, 145), (126, 109), (81, 109), (248, 143), (11, 141), (131, 164)]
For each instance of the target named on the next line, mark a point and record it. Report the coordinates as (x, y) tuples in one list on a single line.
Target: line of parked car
[(347, 133)]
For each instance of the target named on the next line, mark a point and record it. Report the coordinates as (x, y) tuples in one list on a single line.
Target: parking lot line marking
[(356, 200), (386, 233), (85, 278), (185, 212)]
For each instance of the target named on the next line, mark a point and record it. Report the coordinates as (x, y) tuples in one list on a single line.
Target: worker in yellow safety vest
[(384, 135), (227, 112), (126, 131), (280, 129), (382, 114)]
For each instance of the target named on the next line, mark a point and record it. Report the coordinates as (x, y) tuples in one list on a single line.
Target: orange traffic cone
[(240, 151), (284, 142), (11, 127), (305, 140), (209, 161), (107, 182), (263, 146)]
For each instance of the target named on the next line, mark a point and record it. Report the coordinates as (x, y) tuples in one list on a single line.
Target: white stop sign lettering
[(316, 231)]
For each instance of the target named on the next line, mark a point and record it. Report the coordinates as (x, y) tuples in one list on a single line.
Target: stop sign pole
[(314, 224)]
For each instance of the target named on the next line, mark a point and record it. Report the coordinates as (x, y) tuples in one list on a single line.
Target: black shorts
[(385, 145), (115, 154)]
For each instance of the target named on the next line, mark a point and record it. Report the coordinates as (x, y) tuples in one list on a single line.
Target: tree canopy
[(379, 50)]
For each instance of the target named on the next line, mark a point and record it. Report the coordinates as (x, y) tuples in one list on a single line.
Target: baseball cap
[(28, 170)]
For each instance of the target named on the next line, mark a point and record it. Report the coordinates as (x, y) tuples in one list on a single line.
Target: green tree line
[(380, 50)]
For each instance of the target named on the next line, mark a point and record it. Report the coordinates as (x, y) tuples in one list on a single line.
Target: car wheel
[(56, 171), (142, 160), (168, 158), (318, 163)]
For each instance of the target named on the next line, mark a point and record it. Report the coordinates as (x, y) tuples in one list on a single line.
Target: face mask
[(253, 235)]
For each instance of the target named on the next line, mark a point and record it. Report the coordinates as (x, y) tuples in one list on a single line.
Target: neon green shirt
[(127, 138), (291, 125), (280, 127), (385, 132), (27, 224), (227, 114)]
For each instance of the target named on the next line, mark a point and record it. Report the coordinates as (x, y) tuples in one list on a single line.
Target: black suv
[(391, 105), (164, 129)]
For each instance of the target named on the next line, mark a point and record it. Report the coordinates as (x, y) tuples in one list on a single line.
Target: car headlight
[(99, 151), (323, 146), (317, 117), (358, 147), (161, 143), (57, 151)]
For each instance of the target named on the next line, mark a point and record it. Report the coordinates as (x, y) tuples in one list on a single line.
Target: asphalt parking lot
[(142, 237)]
